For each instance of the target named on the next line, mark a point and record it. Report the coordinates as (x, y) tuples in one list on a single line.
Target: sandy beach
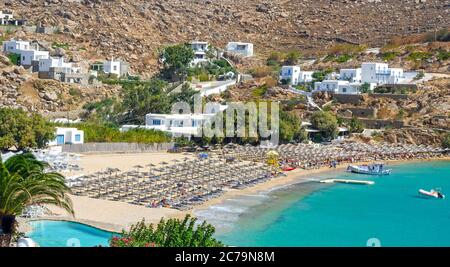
[(115, 216), (92, 163)]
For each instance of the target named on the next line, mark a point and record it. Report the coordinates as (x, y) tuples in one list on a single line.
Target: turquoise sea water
[(67, 234), (388, 213)]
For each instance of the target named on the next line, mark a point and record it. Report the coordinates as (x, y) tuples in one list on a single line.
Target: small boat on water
[(432, 193), (371, 169)]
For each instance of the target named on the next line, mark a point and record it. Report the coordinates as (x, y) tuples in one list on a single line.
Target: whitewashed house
[(200, 49), (6, 17), (351, 75), (329, 86), (306, 76), (56, 68), (179, 124), (290, 74), (117, 67), (244, 49), (53, 62), (15, 46), (29, 55), (67, 136), (350, 88), (380, 73)]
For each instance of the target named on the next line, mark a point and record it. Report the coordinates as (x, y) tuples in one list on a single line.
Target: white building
[(306, 76), (351, 75), (350, 88), (117, 67), (330, 85), (15, 46), (54, 62), (5, 17), (244, 49), (291, 74), (179, 124), (67, 136), (200, 49), (380, 73), (28, 54)]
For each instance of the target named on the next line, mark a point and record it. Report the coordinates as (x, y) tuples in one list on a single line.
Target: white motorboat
[(372, 169), (432, 193)]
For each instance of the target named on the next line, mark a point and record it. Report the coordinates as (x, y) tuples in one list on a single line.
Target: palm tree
[(23, 182)]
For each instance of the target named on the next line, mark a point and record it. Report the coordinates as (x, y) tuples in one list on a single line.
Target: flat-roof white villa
[(67, 136), (293, 75), (179, 124), (200, 49), (7, 18), (349, 81), (29, 55), (244, 49), (380, 73), (351, 75), (330, 85), (56, 68), (117, 67)]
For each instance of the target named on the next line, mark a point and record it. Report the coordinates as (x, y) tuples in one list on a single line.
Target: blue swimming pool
[(49, 233)]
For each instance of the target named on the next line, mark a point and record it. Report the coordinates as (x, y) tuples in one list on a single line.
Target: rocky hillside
[(20, 89), (136, 29)]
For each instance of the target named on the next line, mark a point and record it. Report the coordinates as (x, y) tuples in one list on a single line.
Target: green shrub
[(14, 58), (355, 125), (23, 131), (170, 233), (343, 58), (446, 141), (419, 56), (259, 91), (419, 75), (388, 56), (443, 55), (64, 46), (326, 123)]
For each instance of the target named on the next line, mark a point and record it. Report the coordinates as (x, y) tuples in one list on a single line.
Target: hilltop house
[(29, 55), (380, 73), (293, 75), (330, 85), (67, 136), (200, 49), (351, 75), (306, 76), (117, 67), (244, 49), (55, 68), (15, 46), (290, 74), (7, 18)]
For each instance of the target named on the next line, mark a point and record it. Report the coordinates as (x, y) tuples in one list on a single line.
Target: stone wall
[(391, 96), (363, 112), (379, 124), (349, 99)]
